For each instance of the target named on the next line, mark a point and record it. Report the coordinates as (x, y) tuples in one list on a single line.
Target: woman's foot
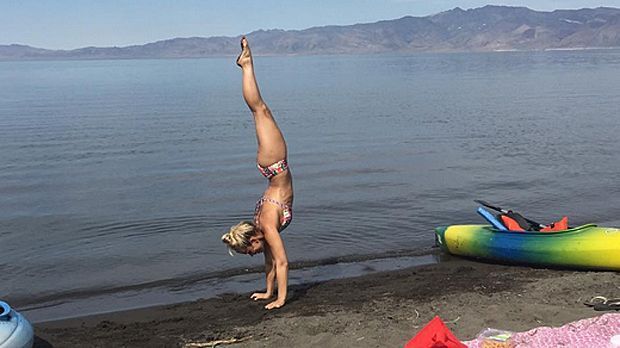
[(245, 57)]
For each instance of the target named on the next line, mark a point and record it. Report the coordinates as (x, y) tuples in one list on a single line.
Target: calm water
[(122, 175)]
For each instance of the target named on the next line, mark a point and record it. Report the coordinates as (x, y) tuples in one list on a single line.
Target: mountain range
[(488, 28)]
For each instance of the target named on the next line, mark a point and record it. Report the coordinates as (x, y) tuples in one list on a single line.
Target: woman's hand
[(260, 296), (275, 304)]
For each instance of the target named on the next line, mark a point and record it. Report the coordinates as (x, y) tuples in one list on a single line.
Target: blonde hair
[(238, 237)]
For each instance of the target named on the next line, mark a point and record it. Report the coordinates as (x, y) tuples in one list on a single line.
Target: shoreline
[(374, 310), (239, 280)]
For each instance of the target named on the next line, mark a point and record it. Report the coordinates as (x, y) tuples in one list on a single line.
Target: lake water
[(117, 178)]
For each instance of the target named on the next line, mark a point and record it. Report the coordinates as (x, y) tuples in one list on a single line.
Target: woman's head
[(244, 238)]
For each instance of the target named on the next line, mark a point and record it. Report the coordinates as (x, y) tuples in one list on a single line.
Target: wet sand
[(377, 310)]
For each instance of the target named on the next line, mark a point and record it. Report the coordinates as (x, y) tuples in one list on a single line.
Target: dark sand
[(377, 310)]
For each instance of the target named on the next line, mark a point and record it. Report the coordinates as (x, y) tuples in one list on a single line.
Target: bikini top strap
[(273, 201)]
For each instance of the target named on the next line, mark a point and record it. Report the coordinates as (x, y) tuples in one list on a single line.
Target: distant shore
[(377, 310), (485, 29), (232, 55)]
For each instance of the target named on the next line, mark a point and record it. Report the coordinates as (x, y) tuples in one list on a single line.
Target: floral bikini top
[(287, 212)]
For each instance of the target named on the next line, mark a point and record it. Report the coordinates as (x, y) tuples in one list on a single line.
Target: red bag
[(435, 335)]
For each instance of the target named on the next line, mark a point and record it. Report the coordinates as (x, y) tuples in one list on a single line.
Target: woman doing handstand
[(273, 212)]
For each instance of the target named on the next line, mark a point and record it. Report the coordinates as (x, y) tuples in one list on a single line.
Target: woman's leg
[(271, 144)]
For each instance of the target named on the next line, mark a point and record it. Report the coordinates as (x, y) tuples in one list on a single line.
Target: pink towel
[(592, 332)]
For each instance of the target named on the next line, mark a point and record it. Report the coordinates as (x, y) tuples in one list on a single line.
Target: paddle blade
[(489, 205)]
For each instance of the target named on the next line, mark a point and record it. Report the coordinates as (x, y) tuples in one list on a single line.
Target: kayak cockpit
[(575, 229)]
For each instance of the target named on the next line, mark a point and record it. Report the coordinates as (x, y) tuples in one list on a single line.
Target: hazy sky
[(77, 23)]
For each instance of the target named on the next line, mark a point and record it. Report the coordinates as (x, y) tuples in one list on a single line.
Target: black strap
[(523, 222)]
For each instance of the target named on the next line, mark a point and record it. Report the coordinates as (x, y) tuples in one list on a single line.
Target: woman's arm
[(280, 264), (270, 275)]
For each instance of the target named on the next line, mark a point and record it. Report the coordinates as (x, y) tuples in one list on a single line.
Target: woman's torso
[(278, 195), (280, 188)]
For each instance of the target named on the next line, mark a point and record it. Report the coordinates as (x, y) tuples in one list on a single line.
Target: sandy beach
[(377, 310)]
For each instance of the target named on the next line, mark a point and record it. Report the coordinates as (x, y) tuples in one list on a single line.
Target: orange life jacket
[(559, 225), (511, 224)]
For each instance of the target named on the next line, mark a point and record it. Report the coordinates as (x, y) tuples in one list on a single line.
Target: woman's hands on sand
[(275, 304)]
